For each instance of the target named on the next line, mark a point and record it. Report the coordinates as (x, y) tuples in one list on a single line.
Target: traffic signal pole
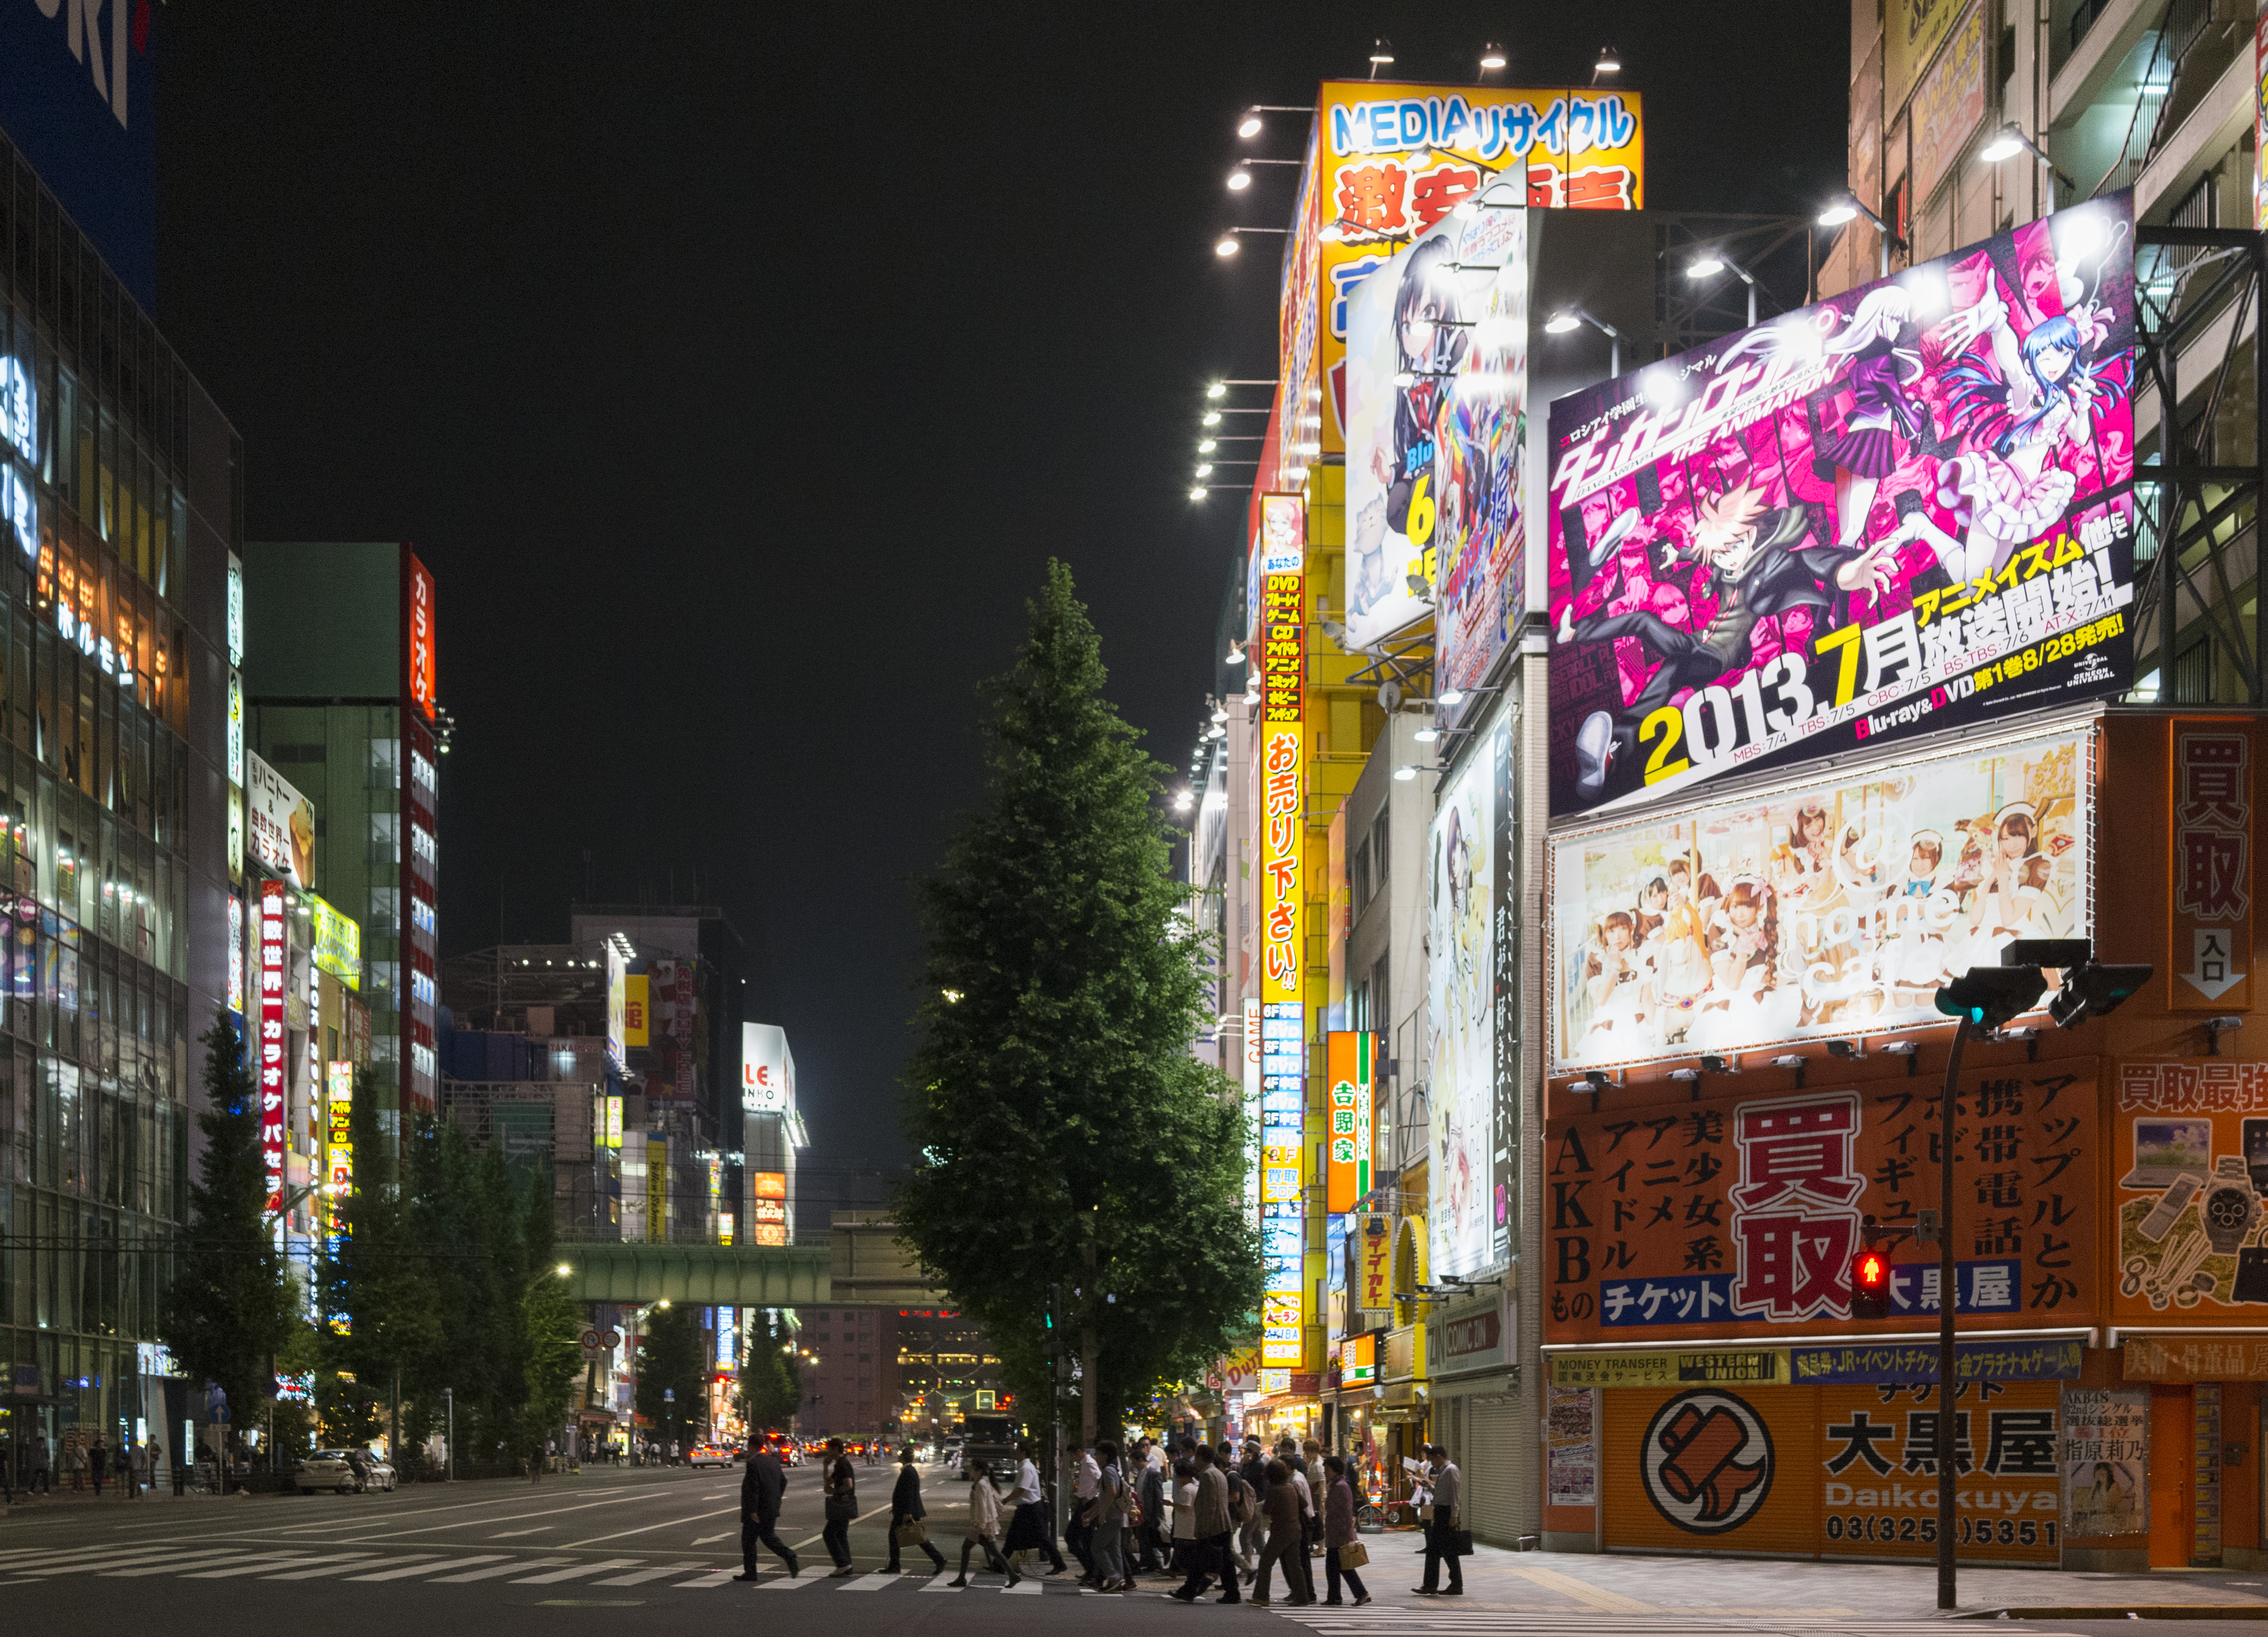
[(1947, 1295)]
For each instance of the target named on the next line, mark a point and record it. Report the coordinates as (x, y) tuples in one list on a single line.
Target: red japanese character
[(1601, 187), (1542, 187), (1791, 1266), (1370, 198), (1435, 194), (1799, 1145)]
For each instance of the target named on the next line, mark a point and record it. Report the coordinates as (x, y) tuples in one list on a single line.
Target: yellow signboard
[(1912, 33), (1765, 1367), (634, 1009)]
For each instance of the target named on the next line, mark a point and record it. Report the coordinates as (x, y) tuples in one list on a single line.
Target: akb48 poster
[(1906, 509)]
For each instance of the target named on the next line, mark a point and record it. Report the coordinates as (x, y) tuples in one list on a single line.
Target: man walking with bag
[(907, 1527), (1442, 1532), (841, 1488), (761, 1486)]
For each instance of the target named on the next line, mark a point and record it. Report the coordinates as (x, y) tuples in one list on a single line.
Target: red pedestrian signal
[(1870, 1284)]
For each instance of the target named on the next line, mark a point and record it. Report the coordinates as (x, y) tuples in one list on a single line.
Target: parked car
[(709, 1455), (342, 1471)]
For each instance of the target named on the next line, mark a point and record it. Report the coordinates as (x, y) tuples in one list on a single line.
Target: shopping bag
[(910, 1531), (1354, 1556)]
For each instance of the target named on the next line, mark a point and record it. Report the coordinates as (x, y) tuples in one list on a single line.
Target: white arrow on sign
[(2213, 968)]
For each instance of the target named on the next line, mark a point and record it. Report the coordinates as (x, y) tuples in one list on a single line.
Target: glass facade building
[(120, 499)]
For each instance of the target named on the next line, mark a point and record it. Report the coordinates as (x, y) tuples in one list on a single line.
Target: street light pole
[(1946, 1295)]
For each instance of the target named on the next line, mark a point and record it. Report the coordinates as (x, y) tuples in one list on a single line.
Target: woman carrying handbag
[(907, 1527), (1342, 1552)]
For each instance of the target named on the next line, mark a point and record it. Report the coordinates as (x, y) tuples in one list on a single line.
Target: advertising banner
[(1904, 510), (2260, 123), (1386, 164), (2211, 889), (338, 943), (766, 1069), (1436, 391), (1840, 1471), (1950, 105), (1757, 1368), (636, 1009), (280, 825), (271, 1060), (2106, 1454), (1571, 1453), (1349, 1059), (1670, 1224), (618, 1003), (1830, 910), (2189, 1160), (1376, 1291), (1469, 870), (417, 640), (1283, 1180)]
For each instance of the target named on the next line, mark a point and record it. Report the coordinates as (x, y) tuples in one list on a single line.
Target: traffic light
[(1051, 1339), (1990, 996), (2093, 990), (1870, 1284)]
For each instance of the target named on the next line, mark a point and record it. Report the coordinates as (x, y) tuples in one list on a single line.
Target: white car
[(709, 1455), (335, 1469)]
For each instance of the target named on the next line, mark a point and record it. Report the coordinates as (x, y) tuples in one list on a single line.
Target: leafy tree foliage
[(770, 1388), (229, 1307), (670, 1358), (1067, 1135)]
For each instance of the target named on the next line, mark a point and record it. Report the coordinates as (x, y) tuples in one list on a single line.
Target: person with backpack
[(907, 1527), (840, 1485)]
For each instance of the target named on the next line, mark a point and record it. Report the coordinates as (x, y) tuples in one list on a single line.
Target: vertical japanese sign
[(1950, 104), (2260, 124), (1676, 1221), (2212, 865), (1377, 1254), (657, 1189), (1386, 165), (2106, 1456), (1466, 869), (1252, 1121), (1349, 1065), (768, 1207), (1904, 510), (2189, 1154), (1283, 733), (273, 1057), (1283, 1181), (417, 638)]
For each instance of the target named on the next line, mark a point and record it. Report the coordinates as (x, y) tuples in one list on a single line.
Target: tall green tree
[(1066, 1135), (771, 1389), (380, 1289), (229, 1307), (671, 1372), (551, 1316)]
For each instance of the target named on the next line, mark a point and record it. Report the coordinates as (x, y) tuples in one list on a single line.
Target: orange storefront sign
[(1830, 1471)]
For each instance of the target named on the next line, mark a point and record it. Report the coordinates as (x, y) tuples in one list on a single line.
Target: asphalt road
[(569, 1553)]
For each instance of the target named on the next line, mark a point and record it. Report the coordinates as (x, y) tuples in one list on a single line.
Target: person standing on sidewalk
[(906, 1508), (98, 1463), (1338, 1534), (1153, 1494), (984, 1524), (1027, 1526), (841, 1488), (1441, 1529), (761, 1486)]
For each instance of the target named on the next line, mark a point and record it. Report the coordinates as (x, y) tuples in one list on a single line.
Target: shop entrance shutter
[(1493, 1481)]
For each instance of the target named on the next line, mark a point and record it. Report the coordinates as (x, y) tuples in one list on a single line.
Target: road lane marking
[(643, 1575), (723, 1577), (333, 1565), (512, 1534), (579, 1569), (942, 1582), (706, 1539), (303, 1561), (874, 1581), (815, 1539), (63, 1562), (266, 1561), (647, 1529), (778, 1582), (427, 1568), (492, 1574), (1027, 1586), (168, 1567)]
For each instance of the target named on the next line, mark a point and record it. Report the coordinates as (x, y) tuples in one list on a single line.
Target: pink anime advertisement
[(1906, 509)]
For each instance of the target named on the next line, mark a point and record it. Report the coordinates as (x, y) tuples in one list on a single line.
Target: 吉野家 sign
[(1904, 510), (1830, 910), (1349, 1063)]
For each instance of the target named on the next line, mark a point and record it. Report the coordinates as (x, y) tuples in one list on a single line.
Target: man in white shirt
[(1085, 1482), (1027, 1528)]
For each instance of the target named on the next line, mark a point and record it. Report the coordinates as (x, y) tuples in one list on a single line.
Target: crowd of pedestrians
[(1237, 1518)]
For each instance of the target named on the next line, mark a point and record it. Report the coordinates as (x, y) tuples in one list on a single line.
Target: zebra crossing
[(31, 1567), (1468, 1621)]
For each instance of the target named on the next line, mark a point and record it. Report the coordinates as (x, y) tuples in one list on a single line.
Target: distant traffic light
[(1870, 1284)]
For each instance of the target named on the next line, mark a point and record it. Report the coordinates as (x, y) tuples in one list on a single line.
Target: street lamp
[(2008, 142), (1845, 208), (1570, 318), (1713, 261)]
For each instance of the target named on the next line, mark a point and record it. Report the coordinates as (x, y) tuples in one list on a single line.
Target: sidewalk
[(1539, 1582)]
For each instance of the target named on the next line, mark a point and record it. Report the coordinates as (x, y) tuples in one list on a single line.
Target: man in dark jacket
[(905, 1507), (761, 1489)]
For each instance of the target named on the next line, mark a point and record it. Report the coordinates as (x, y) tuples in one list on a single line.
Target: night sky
[(736, 369)]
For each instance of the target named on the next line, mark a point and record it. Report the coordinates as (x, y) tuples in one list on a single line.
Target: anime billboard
[(1436, 388), (1830, 910), (1906, 509)]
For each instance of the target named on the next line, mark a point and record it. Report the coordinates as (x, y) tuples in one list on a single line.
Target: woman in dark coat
[(905, 1505)]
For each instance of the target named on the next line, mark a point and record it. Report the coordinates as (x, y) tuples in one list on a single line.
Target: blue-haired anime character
[(2017, 410)]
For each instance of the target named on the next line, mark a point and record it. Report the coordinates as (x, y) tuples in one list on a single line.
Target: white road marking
[(942, 1582), (508, 1565), (643, 1575), (577, 1570), (647, 1529), (301, 1559), (512, 1534), (169, 1566), (781, 1582), (873, 1582), (339, 1565), (1027, 1586), (723, 1577)]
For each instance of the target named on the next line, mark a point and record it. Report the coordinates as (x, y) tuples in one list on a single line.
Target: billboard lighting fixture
[(1408, 771), (1492, 57), (1248, 127), (1382, 53), (1211, 417), (1846, 1050), (1198, 493), (1219, 713), (1218, 389), (1567, 319), (1610, 62), (1426, 735), (1227, 246), (1239, 180), (1208, 446), (2009, 141), (1711, 262), (1235, 655), (1204, 470), (1450, 695)]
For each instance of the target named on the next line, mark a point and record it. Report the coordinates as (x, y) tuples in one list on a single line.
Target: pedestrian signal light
[(1870, 1284)]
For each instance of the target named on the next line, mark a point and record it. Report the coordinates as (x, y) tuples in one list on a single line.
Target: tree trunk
[(1090, 1385)]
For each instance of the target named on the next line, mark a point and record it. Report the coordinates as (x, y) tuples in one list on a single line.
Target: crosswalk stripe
[(168, 1567), (1524, 1623), (941, 1581), (1028, 1587), (782, 1583), (874, 1581), (272, 1561), (337, 1566), (101, 1558), (576, 1571), (724, 1577), (644, 1575), (512, 1566)]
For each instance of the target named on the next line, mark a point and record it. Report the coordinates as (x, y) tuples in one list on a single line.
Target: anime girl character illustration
[(2021, 403), (1883, 410), (1429, 346), (1756, 562)]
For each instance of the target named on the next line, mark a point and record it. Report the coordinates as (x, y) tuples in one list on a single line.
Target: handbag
[(1354, 1556), (910, 1531), (842, 1507), (1460, 1543)]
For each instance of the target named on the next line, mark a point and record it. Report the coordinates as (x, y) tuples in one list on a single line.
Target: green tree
[(229, 1307), (670, 1361), (551, 1316), (771, 1389), (1067, 1136)]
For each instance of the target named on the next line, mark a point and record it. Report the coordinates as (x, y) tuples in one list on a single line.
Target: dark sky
[(736, 368)]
